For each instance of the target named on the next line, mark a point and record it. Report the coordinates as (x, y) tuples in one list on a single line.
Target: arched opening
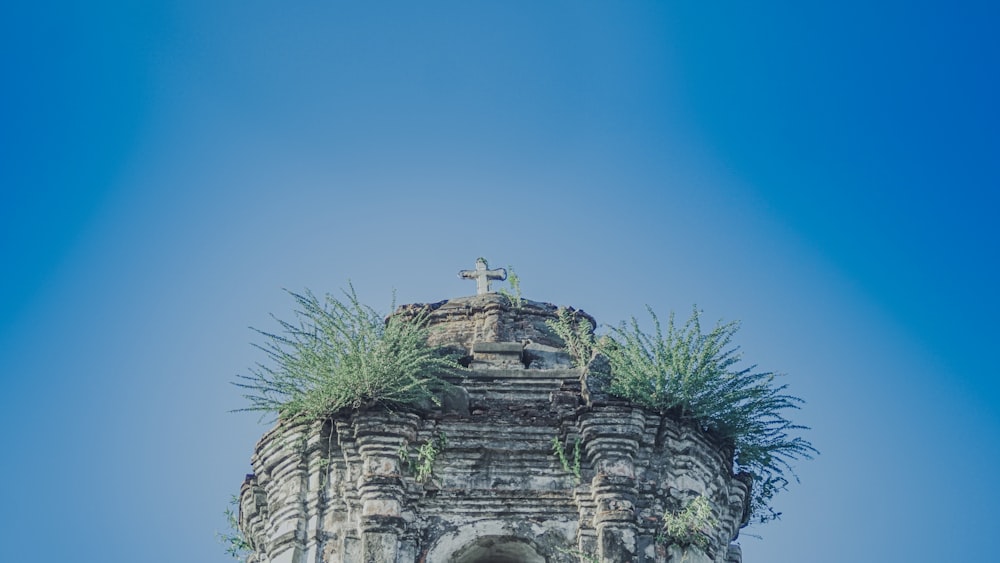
[(498, 549)]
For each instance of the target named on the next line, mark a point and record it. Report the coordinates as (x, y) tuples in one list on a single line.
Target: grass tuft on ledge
[(339, 354), (697, 378)]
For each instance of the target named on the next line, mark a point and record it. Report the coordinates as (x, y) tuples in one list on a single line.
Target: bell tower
[(526, 459)]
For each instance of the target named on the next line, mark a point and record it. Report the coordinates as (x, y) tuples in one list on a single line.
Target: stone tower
[(476, 480)]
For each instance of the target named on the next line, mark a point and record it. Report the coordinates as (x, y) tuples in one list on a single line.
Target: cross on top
[(482, 274)]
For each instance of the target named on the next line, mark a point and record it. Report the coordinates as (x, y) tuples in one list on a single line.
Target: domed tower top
[(517, 463), (489, 329)]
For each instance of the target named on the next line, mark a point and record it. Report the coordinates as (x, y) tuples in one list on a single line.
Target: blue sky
[(825, 173)]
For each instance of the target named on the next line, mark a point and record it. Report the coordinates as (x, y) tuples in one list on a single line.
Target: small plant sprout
[(238, 545), (577, 332), (560, 451), (691, 526), (427, 455), (514, 293)]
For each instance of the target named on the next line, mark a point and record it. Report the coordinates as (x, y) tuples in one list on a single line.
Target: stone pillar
[(252, 505), (611, 435), (379, 437), (282, 465)]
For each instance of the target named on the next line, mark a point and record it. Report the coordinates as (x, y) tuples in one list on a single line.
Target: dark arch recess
[(498, 549)]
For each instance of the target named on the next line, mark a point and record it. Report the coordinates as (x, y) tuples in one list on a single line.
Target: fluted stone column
[(379, 437), (611, 436), (252, 504), (281, 465)]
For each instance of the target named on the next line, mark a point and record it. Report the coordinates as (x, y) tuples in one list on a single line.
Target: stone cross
[(483, 275)]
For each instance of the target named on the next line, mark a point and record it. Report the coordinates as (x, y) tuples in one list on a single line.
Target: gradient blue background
[(825, 173)]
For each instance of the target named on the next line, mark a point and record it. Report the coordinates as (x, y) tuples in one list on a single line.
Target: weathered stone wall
[(342, 490), (461, 323)]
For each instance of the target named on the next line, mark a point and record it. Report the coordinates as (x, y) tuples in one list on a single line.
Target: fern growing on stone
[(340, 354)]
